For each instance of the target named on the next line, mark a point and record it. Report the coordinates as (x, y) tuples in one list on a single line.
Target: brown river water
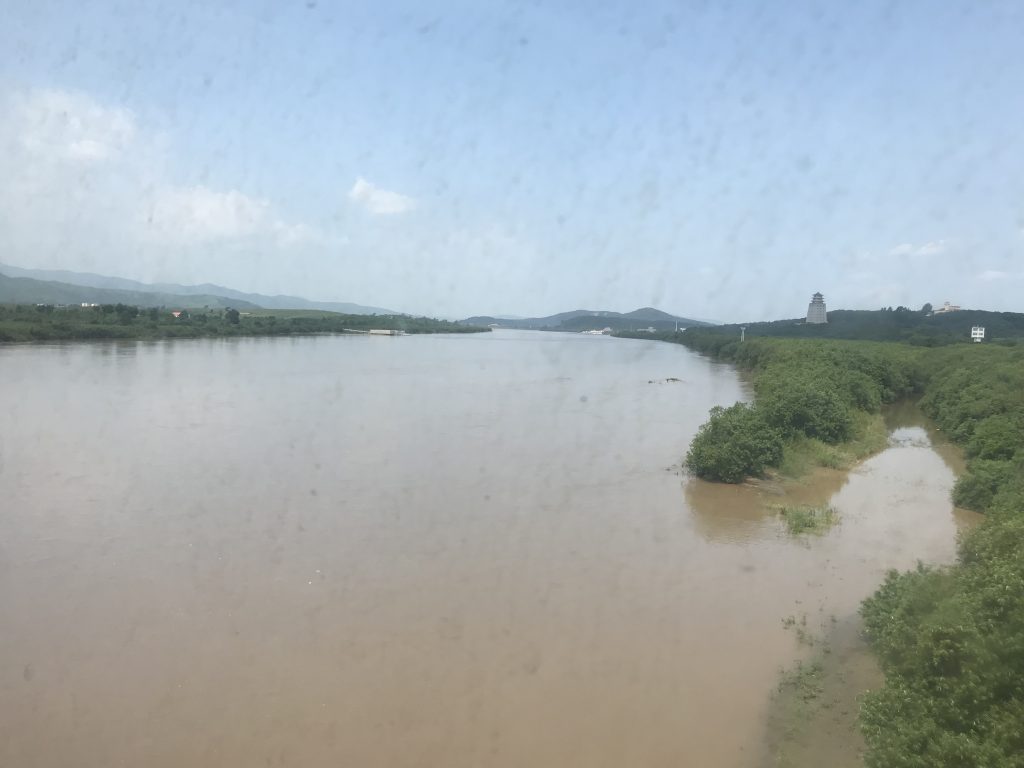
[(417, 551)]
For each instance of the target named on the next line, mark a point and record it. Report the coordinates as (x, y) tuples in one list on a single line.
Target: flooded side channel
[(894, 510), (454, 551)]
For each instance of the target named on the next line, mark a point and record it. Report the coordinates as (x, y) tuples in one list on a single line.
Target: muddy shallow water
[(417, 551)]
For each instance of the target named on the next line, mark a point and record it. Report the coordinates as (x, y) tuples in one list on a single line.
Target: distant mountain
[(91, 280), (650, 313), (589, 319), (26, 290)]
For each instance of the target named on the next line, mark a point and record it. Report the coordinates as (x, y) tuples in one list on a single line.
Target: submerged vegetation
[(950, 640), (808, 519), (44, 322)]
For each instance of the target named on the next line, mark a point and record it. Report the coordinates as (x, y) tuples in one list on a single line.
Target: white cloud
[(64, 125), (83, 185), (379, 201), (199, 214), (932, 248)]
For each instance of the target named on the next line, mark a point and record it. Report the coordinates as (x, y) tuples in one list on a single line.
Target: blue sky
[(719, 160)]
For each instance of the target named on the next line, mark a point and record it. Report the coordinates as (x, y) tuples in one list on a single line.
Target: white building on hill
[(816, 314)]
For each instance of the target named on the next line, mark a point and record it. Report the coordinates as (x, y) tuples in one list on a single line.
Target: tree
[(735, 443), (231, 315), (926, 309), (126, 313)]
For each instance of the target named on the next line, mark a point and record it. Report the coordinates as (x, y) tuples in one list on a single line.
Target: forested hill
[(916, 327), (589, 319), (203, 295), (27, 290)]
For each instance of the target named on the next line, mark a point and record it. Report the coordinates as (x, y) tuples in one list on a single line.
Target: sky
[(718, 160)]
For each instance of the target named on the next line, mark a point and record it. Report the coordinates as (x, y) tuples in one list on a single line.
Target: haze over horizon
[(715, 161)]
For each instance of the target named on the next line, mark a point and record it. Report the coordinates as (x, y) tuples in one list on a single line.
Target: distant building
[(816, 310), (978, 333), (946, 307)]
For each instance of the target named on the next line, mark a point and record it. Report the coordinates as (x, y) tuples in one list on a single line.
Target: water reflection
[(736, 513), (729, 514), (906, 415)]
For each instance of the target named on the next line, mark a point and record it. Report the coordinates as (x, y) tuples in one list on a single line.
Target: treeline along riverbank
[(950, 640), (919, 328), (21, 322)]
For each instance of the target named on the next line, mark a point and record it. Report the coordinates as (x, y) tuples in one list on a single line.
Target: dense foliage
[(805, 391), (734, 444), (22, 322), (977, 397)]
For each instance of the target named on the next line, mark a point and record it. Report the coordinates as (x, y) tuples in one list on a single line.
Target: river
[(415, 551)]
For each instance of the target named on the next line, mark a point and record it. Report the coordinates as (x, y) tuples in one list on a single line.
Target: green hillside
[(194, 292), (589, 320), (901, 324), (25, 290)]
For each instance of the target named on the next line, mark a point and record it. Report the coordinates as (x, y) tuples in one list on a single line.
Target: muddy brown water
[(417, 551)]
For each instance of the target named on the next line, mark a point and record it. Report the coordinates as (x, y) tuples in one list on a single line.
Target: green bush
[(976, 488), (733, 444), (997, 437), (806, 403)]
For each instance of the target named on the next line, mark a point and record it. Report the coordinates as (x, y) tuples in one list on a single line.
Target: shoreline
[(108, 322)]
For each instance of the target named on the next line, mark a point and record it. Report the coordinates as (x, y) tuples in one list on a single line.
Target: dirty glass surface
[(338, 419)]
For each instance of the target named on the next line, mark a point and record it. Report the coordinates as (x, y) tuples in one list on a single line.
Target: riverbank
[(950, 640), (20, 322), (816, 404)]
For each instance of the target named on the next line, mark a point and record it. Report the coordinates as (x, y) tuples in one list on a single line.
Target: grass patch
[(808, 519), (870, 436), (803, 454)]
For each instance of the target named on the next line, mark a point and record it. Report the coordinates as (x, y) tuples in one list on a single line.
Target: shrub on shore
[(734, 443)]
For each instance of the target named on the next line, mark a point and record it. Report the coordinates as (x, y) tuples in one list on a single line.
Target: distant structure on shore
[(816, 310), (946, 307)]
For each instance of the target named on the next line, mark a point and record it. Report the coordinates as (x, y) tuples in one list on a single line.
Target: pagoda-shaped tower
[(816, 310)]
